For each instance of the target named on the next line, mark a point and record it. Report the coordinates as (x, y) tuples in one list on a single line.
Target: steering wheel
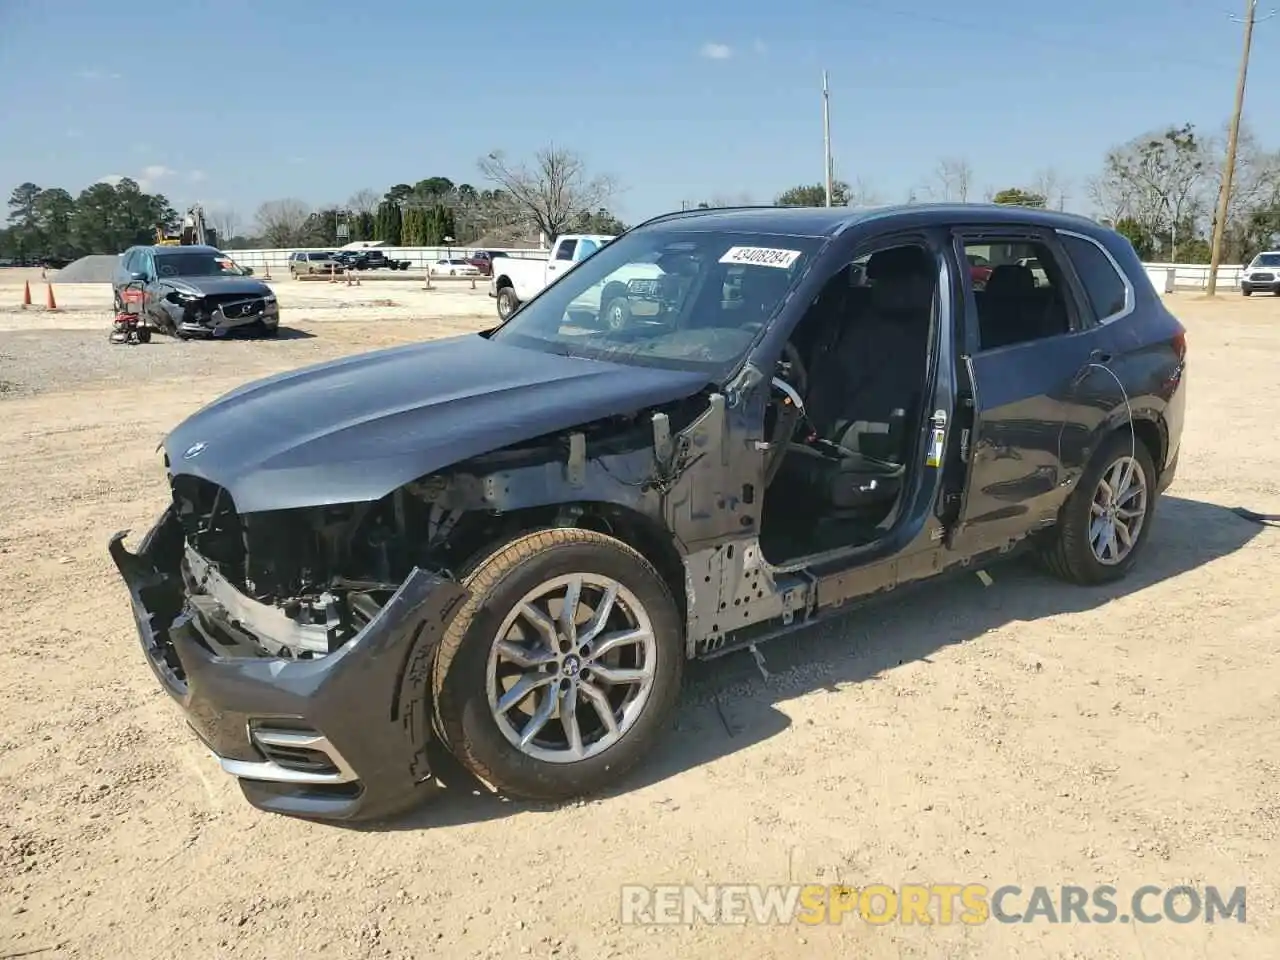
[(789, 386)]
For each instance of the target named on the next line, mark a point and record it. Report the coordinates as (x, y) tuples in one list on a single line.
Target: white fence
[(1193, 276), (1186, 276), (419, 257)]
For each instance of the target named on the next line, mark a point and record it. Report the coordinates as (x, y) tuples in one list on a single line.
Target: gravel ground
[(34, 363), (1024, 733)]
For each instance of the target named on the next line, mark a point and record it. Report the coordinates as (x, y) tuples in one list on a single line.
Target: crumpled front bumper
[(220, 324), (345, 736)]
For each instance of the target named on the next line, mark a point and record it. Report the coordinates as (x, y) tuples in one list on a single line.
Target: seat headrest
[(1011, 280), (897, 262)]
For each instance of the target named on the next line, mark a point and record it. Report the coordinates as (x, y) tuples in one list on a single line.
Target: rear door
[(1028, 342), (561, 259)]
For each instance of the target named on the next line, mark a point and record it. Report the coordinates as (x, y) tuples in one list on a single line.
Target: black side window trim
[(1129, 293)]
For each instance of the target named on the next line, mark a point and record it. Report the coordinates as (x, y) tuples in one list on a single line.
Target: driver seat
[(851, 465)]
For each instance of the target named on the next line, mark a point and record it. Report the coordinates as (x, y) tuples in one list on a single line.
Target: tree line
[(1159, 189), (103, 218)]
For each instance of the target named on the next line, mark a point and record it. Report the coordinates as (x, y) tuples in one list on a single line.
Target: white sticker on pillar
[(761, 257)]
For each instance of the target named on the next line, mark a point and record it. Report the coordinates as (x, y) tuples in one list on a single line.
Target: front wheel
[(507, 302), (1246, 292), (562, 668), (1108, 516)]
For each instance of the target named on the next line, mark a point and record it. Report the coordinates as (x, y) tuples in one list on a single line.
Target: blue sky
[(676, 100)]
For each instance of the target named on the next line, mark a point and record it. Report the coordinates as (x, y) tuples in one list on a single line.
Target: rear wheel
[(507, 302), (1108, 516), (562, 668)]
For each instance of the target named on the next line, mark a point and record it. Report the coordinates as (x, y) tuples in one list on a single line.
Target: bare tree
[(862, 194), (1112, 197), (282, 223), (364, 201), (1164, 175), (954, 176), (225, 221), (1050, 185), (552, 191)]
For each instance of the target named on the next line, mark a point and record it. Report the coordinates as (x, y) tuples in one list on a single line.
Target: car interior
[(858, 360), (858, 363)]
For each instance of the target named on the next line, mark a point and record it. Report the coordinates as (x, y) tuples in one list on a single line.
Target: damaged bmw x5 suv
[(506, 545)]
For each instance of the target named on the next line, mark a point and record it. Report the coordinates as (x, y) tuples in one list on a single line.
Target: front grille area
[(1263, 278), (210, 522)]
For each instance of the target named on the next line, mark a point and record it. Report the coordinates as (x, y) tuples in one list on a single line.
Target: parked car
[(507, 544), (1262, 274), (194, 291), (482, 260), (518, 279), (979, 270), (455, 267), (305, 263), (371, 259)]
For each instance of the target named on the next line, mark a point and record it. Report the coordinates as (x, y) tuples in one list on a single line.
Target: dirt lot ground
[(1023, 733)]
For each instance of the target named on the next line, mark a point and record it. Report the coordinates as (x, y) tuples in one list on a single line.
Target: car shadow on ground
[(728, 704), (284, 333)]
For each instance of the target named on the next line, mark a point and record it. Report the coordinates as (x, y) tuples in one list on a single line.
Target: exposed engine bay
[(303, 582)]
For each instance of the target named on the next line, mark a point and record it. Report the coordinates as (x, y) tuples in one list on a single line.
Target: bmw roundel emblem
[(194, 450)]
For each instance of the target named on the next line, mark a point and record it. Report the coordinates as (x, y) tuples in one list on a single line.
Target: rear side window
[(565, 252), (1103, 285)]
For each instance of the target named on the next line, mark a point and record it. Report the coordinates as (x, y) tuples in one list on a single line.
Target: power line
[(1233, 139)]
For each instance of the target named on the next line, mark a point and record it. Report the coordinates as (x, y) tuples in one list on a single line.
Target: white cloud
[(197, 176), (97, 75), (147, 180), (716, 51)]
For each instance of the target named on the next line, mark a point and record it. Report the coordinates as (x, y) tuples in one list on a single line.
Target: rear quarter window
[(1103, 284)]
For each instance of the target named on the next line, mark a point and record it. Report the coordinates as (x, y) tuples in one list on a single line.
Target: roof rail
[(681, 214)]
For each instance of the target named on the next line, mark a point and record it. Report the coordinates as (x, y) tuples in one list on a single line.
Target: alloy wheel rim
[(1118, 511), (571, 668)]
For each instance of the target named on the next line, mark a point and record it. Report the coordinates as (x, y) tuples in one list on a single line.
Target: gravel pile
[(96, 268)]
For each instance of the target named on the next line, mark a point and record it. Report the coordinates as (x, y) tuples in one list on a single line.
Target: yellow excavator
[(194, 231)]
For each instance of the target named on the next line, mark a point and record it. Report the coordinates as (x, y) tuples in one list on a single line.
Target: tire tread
[(481, 580)]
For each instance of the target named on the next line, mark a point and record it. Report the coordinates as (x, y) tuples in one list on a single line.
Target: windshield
[(666, 296), (1266, 260), (196, 264)]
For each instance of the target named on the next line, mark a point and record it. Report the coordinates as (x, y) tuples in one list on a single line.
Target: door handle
[(1099, 356)]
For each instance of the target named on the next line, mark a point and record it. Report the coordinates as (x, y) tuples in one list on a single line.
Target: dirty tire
[(1067, 553), (507, 302), (1247, 292), (463, 718)]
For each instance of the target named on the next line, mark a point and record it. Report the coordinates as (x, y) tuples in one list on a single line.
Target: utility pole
[(826, 134), (1229, 164)]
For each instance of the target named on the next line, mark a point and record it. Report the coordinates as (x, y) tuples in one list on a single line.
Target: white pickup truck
[(516, 280)]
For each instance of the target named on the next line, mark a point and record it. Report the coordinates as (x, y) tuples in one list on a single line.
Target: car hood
[(357, 428), (203, 286)]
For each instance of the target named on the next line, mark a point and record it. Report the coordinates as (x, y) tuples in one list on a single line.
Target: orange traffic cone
[(26, 294), (49, 302)]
